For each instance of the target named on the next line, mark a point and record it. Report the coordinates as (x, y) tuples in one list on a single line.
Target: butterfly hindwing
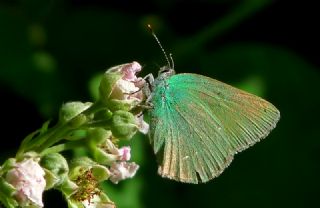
[(198, 124)]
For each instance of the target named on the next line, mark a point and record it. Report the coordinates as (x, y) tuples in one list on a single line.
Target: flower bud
[(123, 125), (120, 89), (78, 121), (57, 169), (98, 135), (71, 109)]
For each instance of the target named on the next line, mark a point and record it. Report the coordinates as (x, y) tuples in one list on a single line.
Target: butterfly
[(198, 124)]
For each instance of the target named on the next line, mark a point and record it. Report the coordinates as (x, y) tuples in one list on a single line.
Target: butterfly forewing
[(198, 124)]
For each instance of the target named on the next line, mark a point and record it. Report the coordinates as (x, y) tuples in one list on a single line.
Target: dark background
[(54, 51)]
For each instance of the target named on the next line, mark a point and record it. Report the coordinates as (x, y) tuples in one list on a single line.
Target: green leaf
[(44, 127)]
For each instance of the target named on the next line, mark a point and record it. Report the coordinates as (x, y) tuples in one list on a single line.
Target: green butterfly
[(197, 124)]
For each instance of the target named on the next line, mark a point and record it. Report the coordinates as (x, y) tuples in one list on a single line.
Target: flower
[(122, 170), (27, 177), (120, 88), (123, 153), (130, 84), (107, 153), (129, 71)]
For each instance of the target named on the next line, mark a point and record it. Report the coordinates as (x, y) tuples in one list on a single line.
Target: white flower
[(28, 178), (122, 170), (128, 87), (129, 71)]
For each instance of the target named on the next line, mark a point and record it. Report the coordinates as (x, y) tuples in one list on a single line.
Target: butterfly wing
[(198, 124)]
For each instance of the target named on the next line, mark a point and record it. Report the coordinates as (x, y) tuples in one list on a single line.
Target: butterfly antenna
[(163, 51), (171, 59)]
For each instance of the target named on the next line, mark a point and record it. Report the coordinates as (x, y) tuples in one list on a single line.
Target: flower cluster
[(96, 127)]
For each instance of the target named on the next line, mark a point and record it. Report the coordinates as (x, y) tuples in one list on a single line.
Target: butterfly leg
[(149, 79), (147, 90), (145, 85), (148, 86), (142, 107), (145, 106)]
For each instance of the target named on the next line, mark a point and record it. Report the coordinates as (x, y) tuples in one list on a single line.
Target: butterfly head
[(166, 71)]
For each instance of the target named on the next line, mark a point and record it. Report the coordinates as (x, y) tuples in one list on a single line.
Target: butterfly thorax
[(162, 80), (160, 84)]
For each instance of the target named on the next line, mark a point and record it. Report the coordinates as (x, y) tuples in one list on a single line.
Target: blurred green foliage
[(53, 51)]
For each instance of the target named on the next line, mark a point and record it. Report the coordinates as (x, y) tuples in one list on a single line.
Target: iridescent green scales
[(198, 124)]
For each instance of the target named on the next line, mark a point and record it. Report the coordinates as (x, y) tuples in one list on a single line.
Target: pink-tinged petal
[(125, 153), (142, 125), (111, 148), (126, 86), (28, 179), (130, 70), (122, 170), (120, 88)]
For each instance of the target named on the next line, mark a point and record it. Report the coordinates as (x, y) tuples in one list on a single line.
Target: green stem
[(33, 143), (62, 147), (54, 138), (65, 129), (56, 133)]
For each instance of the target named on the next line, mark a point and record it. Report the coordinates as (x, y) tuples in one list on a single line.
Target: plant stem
[(58, 135), (57, 132), (62, 147)]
